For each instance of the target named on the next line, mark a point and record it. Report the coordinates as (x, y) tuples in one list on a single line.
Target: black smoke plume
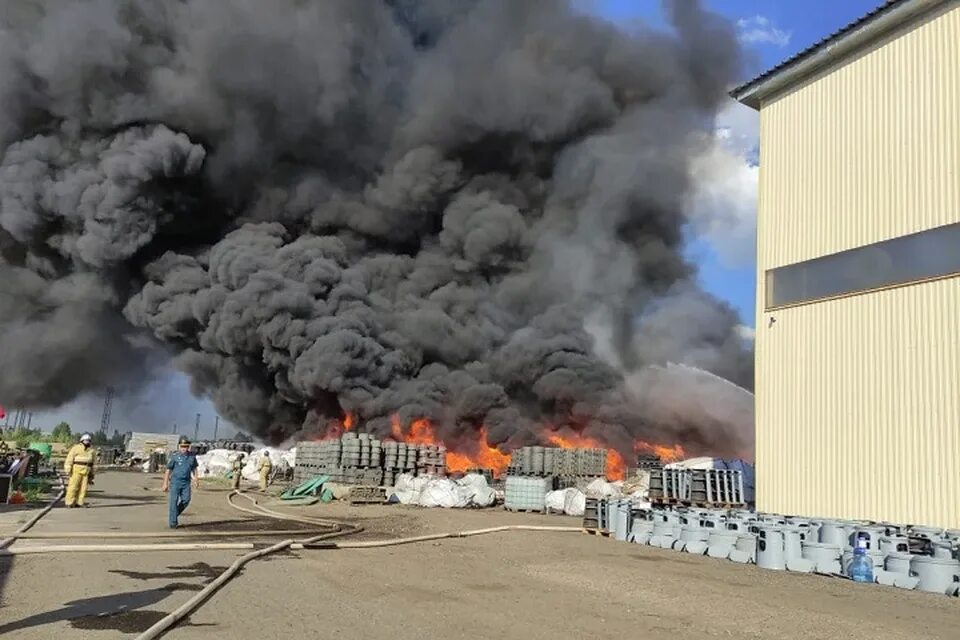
[(471, 211)]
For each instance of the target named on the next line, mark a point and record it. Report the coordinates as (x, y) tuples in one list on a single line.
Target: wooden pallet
[(515, 510), (673, 502), (668, 501), (367, 495), (597, 532)]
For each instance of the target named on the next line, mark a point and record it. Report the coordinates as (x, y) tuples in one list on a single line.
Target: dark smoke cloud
[(471, 211)]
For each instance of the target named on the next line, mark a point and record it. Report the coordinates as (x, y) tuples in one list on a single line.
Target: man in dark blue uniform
[(181, 469)]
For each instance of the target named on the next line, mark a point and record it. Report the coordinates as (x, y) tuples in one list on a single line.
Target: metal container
[(793, 539), (770, 551), (898, 562), (868, 536), (666, 529), (693, 537), (894, 543), (835, 532), (930, 533), (641, 531), (745, 550), (824, 555), (721, 542), (936, 575), (621, 519)]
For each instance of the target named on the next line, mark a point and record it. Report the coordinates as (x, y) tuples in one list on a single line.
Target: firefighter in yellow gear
[(266, 466), (79, 469), (237, 470)]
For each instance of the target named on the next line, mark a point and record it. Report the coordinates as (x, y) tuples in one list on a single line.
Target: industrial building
[(858, 253)]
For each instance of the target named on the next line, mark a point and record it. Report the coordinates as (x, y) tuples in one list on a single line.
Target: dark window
[(930, 254)]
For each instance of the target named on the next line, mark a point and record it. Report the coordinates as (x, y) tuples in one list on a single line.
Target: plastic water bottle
[(861, 569)]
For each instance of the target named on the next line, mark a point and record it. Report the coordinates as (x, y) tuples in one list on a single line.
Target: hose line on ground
[(179, 533), (194, 603), (32, 521)]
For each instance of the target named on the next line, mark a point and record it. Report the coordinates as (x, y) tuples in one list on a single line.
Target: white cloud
[(761, 30), (723, 205)]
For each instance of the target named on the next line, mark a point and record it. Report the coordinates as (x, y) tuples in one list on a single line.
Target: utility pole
[(196, 429), (107, 408), (174, 427), (29, 419), (216, 427)]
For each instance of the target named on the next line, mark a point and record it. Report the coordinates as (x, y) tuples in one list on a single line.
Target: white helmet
[(86, 438)]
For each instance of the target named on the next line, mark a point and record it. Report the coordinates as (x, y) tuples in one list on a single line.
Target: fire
[(336, 428), (479, 454), (482, 455), (666, 453), (616, 467)]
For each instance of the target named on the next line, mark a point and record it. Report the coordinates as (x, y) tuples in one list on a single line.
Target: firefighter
[(181, 469), (266, 466), (79, 469), (237, 470)]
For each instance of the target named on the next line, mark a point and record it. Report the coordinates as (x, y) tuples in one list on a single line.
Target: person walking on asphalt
[(181, 468), (79, 468), (266, 466)]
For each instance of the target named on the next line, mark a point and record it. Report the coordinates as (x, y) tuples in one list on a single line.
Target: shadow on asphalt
[(6, 567), (196, 570), (120, 612), (96, 495)]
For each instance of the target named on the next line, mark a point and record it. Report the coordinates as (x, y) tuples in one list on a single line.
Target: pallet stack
[(367, 495), (568, 465), (431, 459), (697, 487), (361, 458), (645, 462)]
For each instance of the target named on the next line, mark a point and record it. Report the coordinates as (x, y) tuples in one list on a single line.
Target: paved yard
[(522, 585)]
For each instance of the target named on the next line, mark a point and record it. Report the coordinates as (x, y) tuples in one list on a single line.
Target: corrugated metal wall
[(858, 401)]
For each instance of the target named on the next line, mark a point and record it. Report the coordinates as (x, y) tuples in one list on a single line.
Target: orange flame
[(666, 453), (481, 455), (616, 467), (336, 428)]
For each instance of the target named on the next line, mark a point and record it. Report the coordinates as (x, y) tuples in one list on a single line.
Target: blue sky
[(769, 31)]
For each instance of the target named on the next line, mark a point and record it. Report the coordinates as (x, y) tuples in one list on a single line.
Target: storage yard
[(460, 341), (518, 584)]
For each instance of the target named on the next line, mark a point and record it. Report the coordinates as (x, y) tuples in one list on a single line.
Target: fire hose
[(194, 603), (317, 542), (32, 521)]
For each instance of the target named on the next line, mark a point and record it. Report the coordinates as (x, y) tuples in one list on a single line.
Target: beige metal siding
[(858, 401)]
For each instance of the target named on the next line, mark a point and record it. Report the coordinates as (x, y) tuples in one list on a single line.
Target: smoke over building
[(470, 212)]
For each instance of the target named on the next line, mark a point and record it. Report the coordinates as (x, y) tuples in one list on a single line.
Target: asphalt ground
[(527, 585)]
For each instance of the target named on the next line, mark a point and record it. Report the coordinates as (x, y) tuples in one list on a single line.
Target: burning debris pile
[(460, 222)]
